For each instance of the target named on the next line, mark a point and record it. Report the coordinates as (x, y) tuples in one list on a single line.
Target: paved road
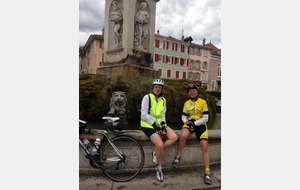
[(173, 180)]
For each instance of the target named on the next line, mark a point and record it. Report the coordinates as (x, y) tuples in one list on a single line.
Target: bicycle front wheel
[(124, 161)]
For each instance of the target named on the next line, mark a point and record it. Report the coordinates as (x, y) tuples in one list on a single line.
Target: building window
[(161, 44), (156, 57), (219, 70), (196, 51), (181, 61), (197, 76), (160, 58), (176, 60), (204, 65), (204, 76), (191, 64), (168, 60), (177, 74), (198, 64), (160, 73), (192, 50), (168, 73), (213, 85), (182, 48), (190, 75), (183, 75), (185, 62), (157, 43), (195, 65)]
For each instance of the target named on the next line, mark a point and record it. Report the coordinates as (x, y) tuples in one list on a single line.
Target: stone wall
[(191, 156)]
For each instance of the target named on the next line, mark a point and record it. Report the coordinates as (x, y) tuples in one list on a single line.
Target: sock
[(207, 170), (158, 167)]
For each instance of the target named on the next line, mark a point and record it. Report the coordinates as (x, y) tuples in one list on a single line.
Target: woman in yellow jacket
[(194, 118), (153, 123)]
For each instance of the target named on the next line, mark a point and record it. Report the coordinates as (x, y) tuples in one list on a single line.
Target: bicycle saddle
[(114, 120)]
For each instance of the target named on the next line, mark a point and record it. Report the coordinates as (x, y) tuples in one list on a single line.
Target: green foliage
[(95, 92), (216, 94)]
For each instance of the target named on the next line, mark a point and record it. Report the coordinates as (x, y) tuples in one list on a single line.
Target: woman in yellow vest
[(153, 123), (194, 118)]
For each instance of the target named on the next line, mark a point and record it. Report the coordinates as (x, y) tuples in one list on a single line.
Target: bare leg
[(185, 134), (205, 153), (159, 148), (171, 138)]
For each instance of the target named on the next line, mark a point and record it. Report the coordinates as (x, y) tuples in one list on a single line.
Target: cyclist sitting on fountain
[(153, 123)]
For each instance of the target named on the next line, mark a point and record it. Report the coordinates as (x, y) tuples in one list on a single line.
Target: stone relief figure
[(117, 18), (118, 103), (141, 25)]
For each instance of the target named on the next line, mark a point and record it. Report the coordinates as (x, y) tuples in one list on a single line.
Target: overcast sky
[(195, 18)]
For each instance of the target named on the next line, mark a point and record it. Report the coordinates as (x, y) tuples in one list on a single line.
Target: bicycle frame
[(119, 162), (105, 137), (90, 155)]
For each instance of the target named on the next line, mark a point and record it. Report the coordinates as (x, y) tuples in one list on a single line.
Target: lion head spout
[(118, 103)]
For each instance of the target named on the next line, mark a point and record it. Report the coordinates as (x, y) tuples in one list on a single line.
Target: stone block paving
[(181, 179)]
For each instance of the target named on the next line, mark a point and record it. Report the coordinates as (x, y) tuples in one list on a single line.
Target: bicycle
[(121, 157)]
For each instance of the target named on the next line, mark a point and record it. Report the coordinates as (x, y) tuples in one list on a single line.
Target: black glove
[(191, 124), (163, 126), (156, 127)]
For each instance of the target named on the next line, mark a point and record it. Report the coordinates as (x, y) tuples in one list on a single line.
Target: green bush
[(216, 94), (95, 92)]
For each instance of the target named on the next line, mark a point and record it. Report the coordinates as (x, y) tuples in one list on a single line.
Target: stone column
[(128, 55)]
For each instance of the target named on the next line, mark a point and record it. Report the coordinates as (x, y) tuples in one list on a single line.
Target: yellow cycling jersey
[(195, 109)]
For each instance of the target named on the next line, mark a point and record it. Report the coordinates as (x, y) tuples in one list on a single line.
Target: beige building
[(91, 55), (199, 63), (172, 58), (181, 59), (214, 68)]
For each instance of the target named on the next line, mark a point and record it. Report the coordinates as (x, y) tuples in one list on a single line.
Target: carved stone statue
[(141, 25), (117, 18), (118, 103)]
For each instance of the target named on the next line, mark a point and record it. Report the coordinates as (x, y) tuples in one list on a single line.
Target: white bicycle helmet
[(158, 82)]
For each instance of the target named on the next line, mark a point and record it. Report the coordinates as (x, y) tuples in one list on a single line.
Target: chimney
[(158, 32), (203, 42), (103, 32)]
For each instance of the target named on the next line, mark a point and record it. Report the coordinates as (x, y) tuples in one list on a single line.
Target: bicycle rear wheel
[(126, 168)]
